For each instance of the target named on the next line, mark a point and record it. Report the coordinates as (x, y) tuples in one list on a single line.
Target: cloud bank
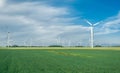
[(40, 21)]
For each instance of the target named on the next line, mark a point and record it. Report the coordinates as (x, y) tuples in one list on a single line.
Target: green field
[(63, 60)]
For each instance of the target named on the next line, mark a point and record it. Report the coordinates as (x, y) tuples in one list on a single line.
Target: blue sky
[(46, 22)]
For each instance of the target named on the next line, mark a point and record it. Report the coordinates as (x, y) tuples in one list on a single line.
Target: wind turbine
[(69, 43), (92, 32), (31, 42), (79, 44), (58, 40), (24, 42), (8, 39)]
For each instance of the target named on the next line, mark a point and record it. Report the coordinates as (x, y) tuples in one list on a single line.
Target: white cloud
[(39, 21), (108, 31), (2, 3), (110, 25)]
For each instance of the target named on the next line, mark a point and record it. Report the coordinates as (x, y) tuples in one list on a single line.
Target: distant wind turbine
[(58, 40), (8, 39), (79, 44), (69, 43), (92, 32), (31, 42), (24, 42)]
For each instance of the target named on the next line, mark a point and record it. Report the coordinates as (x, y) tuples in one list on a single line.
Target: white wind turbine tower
[(79, 44), (31, 42), (92, 32), (8, 39), (69, 43), (24, 42), (58, 40)]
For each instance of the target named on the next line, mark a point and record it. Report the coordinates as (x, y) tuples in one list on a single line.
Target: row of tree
[(52, 46)]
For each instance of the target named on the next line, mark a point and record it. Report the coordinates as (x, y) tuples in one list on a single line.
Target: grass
[(54, 60)]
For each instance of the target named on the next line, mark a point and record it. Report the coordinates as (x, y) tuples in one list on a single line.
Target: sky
[(50, 22)]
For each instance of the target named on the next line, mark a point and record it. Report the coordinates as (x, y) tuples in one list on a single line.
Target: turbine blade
[(89, 22), (96, 24)]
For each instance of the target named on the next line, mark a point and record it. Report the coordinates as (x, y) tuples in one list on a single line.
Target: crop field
[(59, 60)]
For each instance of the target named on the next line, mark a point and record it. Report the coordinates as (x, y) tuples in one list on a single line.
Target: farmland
[(59, 60)]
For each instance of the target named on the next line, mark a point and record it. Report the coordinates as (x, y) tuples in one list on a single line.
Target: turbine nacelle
[(92, 24)]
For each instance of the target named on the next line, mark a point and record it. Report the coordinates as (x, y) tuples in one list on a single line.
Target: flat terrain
[(60, 60), (97, 48)]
